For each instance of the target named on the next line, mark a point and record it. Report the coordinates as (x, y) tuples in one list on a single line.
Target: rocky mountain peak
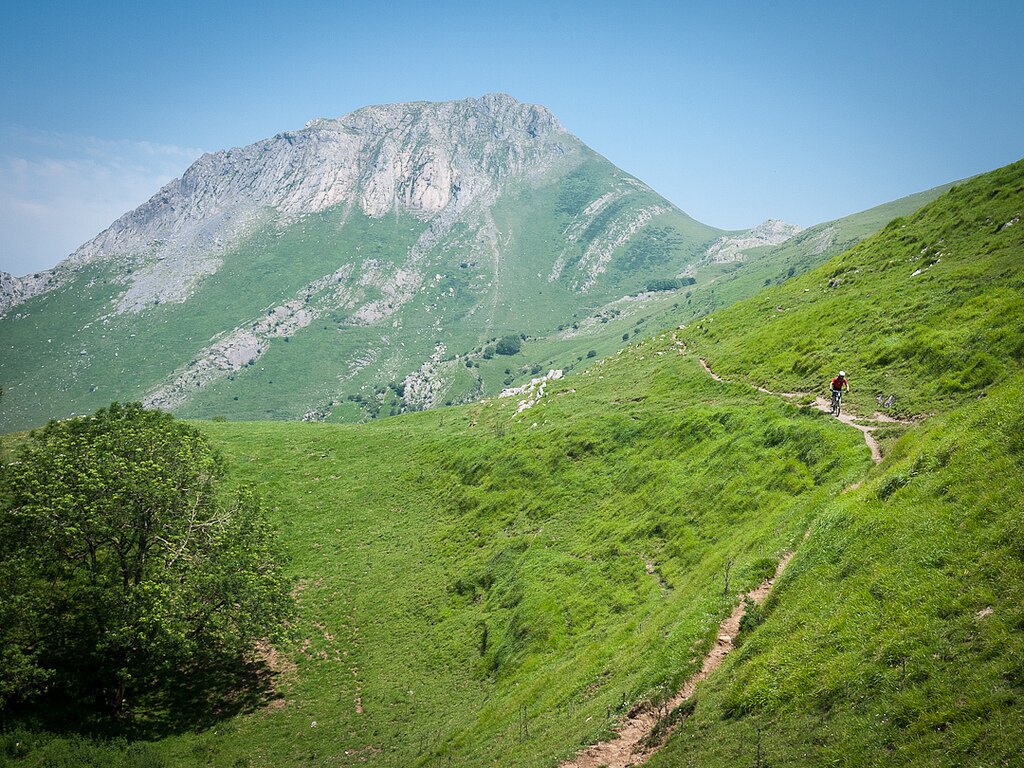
[(416, 156), (430, 159), (774, 231)]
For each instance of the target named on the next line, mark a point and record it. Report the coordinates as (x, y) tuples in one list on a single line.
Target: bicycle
[(837, 402)]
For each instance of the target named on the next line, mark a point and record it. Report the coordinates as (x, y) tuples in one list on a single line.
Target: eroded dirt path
[(821, 403), (628, 747), (876, 453), (707, 369), (631, 745)]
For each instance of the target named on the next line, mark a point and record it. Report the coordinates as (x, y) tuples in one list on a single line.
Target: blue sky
[(735, 111)]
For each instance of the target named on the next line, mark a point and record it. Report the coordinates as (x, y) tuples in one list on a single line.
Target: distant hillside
[(749, 269), (359, 266)]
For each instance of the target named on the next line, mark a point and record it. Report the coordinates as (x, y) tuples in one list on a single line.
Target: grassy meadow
[(481, 587), (894, 637), (487, 588)]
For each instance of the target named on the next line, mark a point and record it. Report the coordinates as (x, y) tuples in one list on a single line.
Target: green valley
[(503, 582)]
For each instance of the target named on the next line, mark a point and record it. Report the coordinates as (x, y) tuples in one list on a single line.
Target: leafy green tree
[(508, 345), (124, 564), (670, 284)]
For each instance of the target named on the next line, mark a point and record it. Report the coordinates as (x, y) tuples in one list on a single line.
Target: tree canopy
[(125, 563), (508, 345)]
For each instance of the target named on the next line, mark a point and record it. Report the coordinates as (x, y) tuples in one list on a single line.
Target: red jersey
[(839, 382)]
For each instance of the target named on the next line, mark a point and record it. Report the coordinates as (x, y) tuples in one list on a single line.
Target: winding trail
[(629, 746), (821, 403), (876, 453), (634, 743), (707, 368)]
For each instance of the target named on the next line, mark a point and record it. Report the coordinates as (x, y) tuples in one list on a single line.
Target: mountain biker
[(840, 382)]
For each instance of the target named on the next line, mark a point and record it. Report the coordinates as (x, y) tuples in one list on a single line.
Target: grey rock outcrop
[(731, 247), (14, 290)]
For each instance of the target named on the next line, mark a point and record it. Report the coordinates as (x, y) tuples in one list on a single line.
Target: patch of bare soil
[(631, 746), (284, 673), (707, 368)]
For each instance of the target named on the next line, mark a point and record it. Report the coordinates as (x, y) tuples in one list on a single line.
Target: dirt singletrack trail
[(628, 747), (821, 403), (876, 453), (707, 369)]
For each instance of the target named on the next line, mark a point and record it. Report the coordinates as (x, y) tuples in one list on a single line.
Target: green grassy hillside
[(894, 637), (929, 310), (773, 265), (69, 352), (465, 569), (481, 587)]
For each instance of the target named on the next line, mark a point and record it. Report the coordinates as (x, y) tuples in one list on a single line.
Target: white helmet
[(842, 374)]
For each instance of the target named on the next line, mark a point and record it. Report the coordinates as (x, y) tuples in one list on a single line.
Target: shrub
[(508, 345), (670, 284)]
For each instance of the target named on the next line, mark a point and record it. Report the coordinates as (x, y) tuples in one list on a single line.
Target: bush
[(592, 353), (508, 345), (670, 284)]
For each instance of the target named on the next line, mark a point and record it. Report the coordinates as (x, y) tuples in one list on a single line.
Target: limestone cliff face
[(14, 290), (420, 157), (430, 159), (731, 247)]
